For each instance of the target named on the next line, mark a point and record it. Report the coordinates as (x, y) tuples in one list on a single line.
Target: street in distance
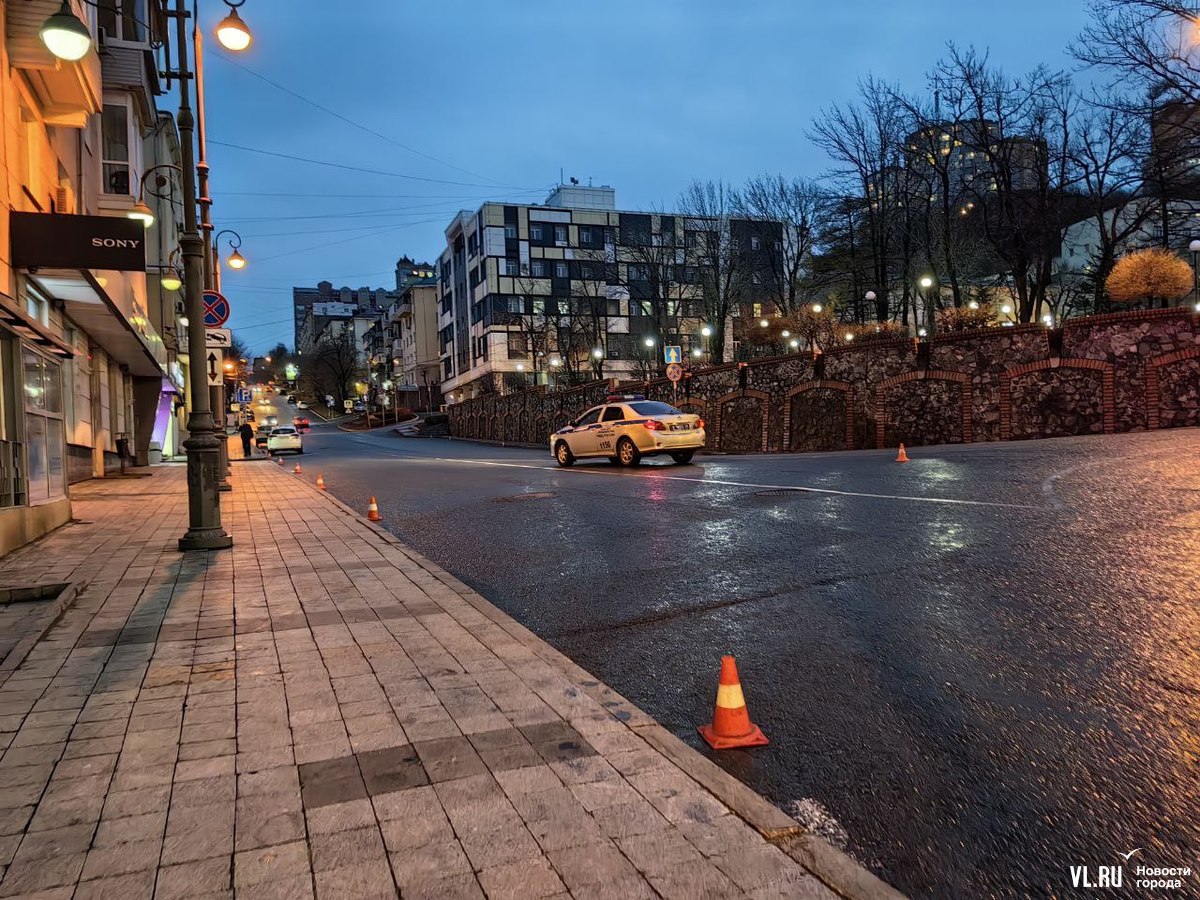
[(626, 428)]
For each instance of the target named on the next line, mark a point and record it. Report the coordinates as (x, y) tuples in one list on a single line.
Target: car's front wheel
[(683, 457), (563, 455), (627, 452)]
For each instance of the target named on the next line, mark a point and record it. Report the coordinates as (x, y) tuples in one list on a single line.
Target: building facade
[(575, 290), (416, 358), (89, 363), (365, 301)]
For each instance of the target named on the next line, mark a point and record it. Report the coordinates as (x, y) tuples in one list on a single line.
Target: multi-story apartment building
[(89, 354), (416, 358), (365, 300), (575, 289)]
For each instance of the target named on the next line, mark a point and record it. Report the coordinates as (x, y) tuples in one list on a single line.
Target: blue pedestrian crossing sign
[(672, 354)]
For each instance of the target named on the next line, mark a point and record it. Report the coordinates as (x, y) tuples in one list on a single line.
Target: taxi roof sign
[(613, 398)]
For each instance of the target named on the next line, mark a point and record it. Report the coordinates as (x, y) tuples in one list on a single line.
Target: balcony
[(68, 92)]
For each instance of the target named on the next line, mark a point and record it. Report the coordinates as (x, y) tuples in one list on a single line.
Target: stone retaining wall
[(1128, 371)]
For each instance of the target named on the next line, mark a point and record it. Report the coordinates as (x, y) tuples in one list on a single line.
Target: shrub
[(1149, 276), (963, 318)]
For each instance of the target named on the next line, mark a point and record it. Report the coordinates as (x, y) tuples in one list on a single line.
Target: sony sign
[(52, 241)]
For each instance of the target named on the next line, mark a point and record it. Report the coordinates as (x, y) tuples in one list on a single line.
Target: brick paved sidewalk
[(321, 711)]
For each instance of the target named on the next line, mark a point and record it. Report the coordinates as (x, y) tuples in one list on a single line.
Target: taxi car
[(284, 437), (626, 428)]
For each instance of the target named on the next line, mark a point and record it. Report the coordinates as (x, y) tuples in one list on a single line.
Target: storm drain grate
[(517, 498), (32, 593)]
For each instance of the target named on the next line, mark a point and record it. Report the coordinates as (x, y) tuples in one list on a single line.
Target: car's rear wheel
[(563, 455), (628, 453), (683, 457)]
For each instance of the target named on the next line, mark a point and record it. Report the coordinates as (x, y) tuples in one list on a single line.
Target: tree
[(333, 366), (713, 248), (1149, 276), (1148, 42), (798, 205), (866, 140)]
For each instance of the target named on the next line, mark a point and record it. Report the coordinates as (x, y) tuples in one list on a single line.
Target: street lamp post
[(1194, 247), (923, 286), (202, 446)]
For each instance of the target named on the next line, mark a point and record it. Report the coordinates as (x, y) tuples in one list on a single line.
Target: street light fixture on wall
[(65, 36)]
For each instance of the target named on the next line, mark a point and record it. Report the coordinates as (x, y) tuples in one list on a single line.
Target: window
[(118, 175), (613, 414), (516, 304), (588, 418), (755, 244), (12, 461), (512, 267), (538, 268), (757, 310), (535, 232), (639, 273), (560, 270), (518, 346), (653, 408), (122, 19), (586, 272), (510, 231), (560, 234), (585, 237), (43, 426)]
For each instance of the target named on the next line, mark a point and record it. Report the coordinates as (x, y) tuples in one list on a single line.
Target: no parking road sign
[(674, 372), (216, 310)]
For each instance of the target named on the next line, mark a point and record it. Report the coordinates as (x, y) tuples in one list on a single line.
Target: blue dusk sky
[(476, 101)]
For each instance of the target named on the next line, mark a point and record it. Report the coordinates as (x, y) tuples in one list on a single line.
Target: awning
[(31, 329), (89, 307)]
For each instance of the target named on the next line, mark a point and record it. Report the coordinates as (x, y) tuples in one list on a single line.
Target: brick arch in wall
[(965, 400), (1097, 365), (1153, 398), (844, 387), (720, 407)]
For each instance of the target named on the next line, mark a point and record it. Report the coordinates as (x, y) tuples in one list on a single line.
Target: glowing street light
[(649, 342), (232, 31), (697, 352), (764, 323), (171, 280), (65, 36), (817, 307), (793, 343), (236, 260), (926, 281), (972, 305), (598, 353), (140, 212), (706, 331)]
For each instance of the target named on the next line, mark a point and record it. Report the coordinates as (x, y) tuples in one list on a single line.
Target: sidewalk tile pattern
[(318, 713)]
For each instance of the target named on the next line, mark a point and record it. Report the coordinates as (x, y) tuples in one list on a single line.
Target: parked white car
[(284, 437)]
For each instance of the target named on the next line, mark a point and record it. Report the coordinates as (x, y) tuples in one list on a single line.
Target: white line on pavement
[(1048, 488), (744, 484)]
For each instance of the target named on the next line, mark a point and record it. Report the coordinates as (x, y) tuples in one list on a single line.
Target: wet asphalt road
[(972, 696)]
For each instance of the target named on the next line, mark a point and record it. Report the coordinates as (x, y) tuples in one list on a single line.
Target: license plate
[(683, 427)]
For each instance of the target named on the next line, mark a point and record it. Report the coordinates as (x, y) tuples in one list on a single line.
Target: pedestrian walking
[(247, 434)]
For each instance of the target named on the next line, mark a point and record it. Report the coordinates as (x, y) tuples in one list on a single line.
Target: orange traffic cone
[(320, 482), (901, 456), (296, 471), (731, 726), (373, 511), (279, 460)]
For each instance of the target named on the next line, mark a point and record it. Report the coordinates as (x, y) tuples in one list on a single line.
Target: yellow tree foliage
[(1149, 275)]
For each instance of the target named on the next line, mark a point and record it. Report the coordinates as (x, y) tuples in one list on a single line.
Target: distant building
[(366, 301), (535, 294), (416, 361)]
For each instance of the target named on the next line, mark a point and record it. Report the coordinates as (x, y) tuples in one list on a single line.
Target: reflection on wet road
[(980, 693)]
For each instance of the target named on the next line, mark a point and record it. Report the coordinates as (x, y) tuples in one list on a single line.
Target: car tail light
[(654, 425), (699, 422)]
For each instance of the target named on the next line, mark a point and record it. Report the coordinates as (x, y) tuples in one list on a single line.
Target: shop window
[(44, 442)]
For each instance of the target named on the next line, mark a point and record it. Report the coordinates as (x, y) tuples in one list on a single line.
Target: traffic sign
[(213, 362), (672, 354), (674, 372), (243, 395), (216, 310), (217, 338)]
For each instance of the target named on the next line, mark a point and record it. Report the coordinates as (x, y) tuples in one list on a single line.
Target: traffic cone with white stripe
[(320, 482), (279, 461), (373, 511), (731, 726), (901, 456), (296, 471)]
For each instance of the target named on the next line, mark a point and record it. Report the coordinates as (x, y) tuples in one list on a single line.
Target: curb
[(835, 869), (65, 601)]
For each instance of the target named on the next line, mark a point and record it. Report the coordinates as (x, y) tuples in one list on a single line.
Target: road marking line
[(1048, 488), (745, 484)]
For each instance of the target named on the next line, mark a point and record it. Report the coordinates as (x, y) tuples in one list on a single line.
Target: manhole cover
[(517, 498), (779, 492)]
